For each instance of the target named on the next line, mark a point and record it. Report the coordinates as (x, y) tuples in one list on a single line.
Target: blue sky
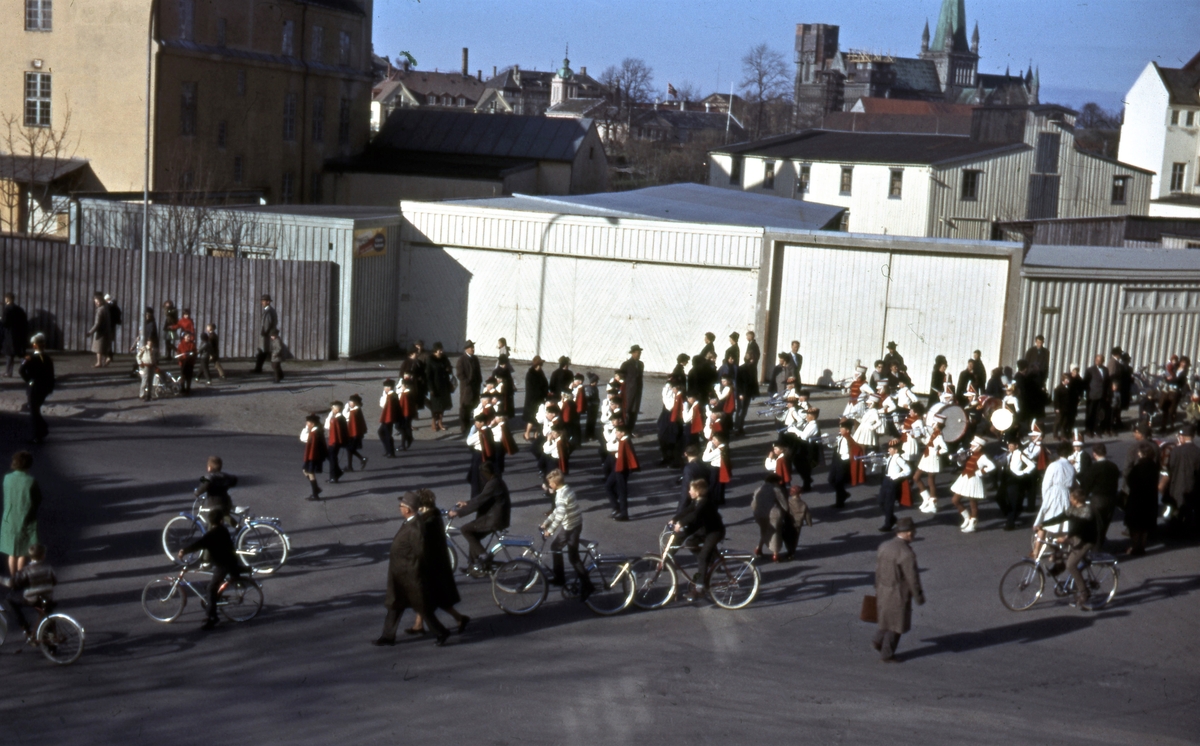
[(1086, 50)]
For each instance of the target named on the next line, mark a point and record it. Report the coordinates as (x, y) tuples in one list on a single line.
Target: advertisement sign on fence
[(371, 242)]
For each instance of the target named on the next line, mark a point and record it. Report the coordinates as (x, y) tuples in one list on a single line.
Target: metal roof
[(496, 135), (1111, 262), (869, 147), (1182, 84), (38, 169), (690, 203), (915, 75)]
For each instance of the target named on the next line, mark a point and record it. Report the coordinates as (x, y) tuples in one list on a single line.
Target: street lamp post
[(146, 174)]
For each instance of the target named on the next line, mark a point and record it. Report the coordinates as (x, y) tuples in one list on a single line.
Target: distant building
[(408, 88), (1019, 163), (435, 155), (1161, 132), (677, 123), (901, 115), (531, 92), (1126, 231), (947, 69)]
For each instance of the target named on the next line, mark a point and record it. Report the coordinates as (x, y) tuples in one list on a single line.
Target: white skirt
[(865, 436), (911, 449), (930, 464), (971, 487)]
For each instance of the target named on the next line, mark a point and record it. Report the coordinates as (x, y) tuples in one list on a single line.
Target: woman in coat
[(938, 380), (437, 581), (537, 388), (440, 384), (1141, 507), (18, 527)]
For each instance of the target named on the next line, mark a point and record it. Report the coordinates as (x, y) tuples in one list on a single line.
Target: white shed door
[(832, 301)]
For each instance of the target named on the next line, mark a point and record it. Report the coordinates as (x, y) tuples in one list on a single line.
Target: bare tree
[(34, 169), (685, 91), (764, 82), (628, 83)]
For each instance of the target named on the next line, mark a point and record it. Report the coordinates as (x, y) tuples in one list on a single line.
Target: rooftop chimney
[(466, 70), (583, 70), (493, 71), (479, 75)]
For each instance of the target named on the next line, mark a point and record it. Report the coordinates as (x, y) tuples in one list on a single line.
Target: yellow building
[(245, 94)]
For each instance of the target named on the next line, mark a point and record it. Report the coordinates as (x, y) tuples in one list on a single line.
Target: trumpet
[(960, 456), (776, 406)]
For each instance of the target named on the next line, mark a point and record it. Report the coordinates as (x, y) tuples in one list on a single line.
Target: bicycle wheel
[(3, 625), (655, 582), (240, 601), (1022, 585), (614, 587), (61, 639), (733, 583), (262, 548), (519, 587), (179, 532), (453, 556), (163, 599), (1102, 584)]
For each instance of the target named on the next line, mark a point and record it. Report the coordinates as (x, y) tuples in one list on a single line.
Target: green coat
[(18, 527)]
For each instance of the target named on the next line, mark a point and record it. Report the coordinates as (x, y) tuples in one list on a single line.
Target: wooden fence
[(54, 283)]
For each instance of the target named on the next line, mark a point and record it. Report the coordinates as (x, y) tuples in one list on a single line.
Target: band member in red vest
[(930, 466), (315, 453), (624, 463), (716, 455), (409, 403), (356, 428), (969, 486), (895, 480), (777, 463), (389, 404), (336, 438), (558, 449), (670, 423), (726, 400), (578, 405), (693, 419), (845, 471), (483, 450)]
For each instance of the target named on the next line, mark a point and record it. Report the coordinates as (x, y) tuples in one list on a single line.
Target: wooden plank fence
[(54, 283)]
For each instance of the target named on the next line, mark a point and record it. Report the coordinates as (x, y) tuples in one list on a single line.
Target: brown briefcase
[(869, 613)]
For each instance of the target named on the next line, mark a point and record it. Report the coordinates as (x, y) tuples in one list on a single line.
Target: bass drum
[(955, 426), (1002, 420)]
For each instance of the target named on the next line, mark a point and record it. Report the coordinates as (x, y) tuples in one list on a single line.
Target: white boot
[(969, 527), (932, 507), (966, 520), (924, 501)]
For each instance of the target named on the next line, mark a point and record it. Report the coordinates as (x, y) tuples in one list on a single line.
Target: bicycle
[(453, 546), (1022, 584), (259, 541), (164, 599), (613, 582), (732, 581), (58, 636)]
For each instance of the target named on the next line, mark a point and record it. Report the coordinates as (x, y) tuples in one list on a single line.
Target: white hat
[(37, 339), (978, 442), (860, 369)]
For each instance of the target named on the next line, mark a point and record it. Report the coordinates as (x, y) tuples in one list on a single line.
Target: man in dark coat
[(734, 350), (1099, 391), (753, 352), (632, 372), (406, 562), (537, 387), (1181, 484), (560, 379), (492, 508), (897, 585), (14, 325), (268, 323), (892, 358), (1101, 482), (37, 371), (470, 380), (746, 386), (1038, 358)]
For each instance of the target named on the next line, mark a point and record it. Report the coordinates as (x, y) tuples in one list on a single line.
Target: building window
[(1177, 174), (433, 99), (222, 31), (238, 169), (187, 20), (847, 179), (896, 184), (844, 224), (318, 119), (344, 122), (315, 189), (287, 47), (970, 186), (1174, 116), (288, 192), (187, 109), (1191, 118), (318, 44), (804, 180), (769, 175), (344, 49), (241, 82), (462, 101), (37, 99), (289, 117), (222, 134), (39, 15), (735, 169), (1047, 153), (1120, 185)]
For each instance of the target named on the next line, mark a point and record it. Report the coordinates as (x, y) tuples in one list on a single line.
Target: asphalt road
[(795, 665)]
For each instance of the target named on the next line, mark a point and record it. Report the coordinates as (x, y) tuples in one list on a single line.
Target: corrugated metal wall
[(1082, 318), (845, 305), (54, 283)]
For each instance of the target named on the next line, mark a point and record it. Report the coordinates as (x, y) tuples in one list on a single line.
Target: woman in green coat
[(18, 527)]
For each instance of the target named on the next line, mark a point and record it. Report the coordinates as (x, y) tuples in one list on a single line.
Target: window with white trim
[(37, 99), (39, 15)]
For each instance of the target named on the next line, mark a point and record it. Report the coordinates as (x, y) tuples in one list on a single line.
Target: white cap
[(977, 442)]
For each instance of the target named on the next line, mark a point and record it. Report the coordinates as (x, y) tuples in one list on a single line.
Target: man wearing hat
[(632, 372), (470, 381), (1181, 483), (537, 387), (37, 371), (897, 584), (405, 565), (893, 358), (268, 323)]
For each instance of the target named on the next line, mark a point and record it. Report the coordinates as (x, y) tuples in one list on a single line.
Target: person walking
[(770, 509), (897, 585), (537, 388), (632, 372), (1180, 484), (440, 384), (14, 325), (101, 331), (1101, 482), (22, 498), (437, 581), (1099, 391), (470, 380), (406, 575), (1141, 505), (37, 371), (268, 323), (276, 349), (210, 352)]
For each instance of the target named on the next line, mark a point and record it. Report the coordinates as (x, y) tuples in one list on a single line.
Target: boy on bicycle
[(1080, 539), (219, 545), (33, 587), (699, 525), (566, 520), (215, 485)]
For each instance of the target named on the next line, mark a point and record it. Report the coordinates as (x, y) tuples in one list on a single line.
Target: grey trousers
[(885, 642)]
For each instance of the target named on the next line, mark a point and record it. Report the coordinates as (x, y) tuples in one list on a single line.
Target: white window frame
[(38, 89), (39, 15)]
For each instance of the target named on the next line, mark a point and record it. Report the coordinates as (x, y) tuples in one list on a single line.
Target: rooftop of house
[(1182, 83), (869, 147), (424, 82)]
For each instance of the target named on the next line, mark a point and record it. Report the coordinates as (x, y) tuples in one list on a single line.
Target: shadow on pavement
[(1035, 630)]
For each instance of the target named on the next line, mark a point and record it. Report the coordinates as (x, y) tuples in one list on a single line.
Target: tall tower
[(818, 87), (558, 84), (956, 59)]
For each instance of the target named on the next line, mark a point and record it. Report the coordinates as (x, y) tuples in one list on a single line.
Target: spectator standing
[(897, 585), (470, 380), (147, 363), (1141, 504), (170, 322), (15, 326), (276, 349), (210, 352), (37, 371), (101, 331), (22, 497), (149, 330), (440, 384), (185, 353), (1096, 382), (753, 351), (268, 324), (1181, 482)]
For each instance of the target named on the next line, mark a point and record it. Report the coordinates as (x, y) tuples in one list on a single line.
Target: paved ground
[(796, 664)]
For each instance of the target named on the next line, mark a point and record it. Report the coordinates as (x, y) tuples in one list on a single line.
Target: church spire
[(975, 39), (925, 37), (951, 33)]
